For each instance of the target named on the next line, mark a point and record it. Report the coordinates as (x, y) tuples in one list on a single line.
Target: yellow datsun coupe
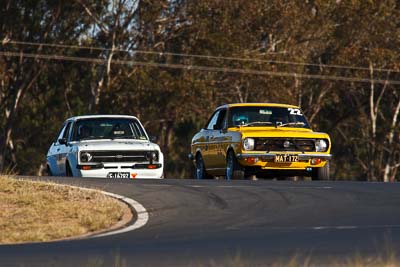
[(250, 140)]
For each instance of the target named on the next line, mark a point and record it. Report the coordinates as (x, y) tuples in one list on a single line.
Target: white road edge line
[(248, 186), (141, 212), (351, 227)]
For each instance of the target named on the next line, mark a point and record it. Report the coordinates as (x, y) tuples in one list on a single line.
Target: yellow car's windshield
[(266, 116)]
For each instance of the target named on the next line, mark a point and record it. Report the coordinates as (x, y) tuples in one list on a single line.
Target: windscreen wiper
[(123, 137), (295, 123), (254, 123)]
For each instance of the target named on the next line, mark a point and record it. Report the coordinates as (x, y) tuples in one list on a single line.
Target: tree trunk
[(389, 162)]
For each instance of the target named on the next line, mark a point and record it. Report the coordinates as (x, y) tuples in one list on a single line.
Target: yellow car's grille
[(284, 144)]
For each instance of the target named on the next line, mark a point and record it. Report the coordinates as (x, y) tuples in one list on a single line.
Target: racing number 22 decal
[(295, 111)]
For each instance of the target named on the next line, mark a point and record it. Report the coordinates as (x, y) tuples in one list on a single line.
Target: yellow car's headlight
[(321, 145), (248, 144)]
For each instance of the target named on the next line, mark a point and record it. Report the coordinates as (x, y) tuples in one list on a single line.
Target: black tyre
[(321, 173), (68, 171), (48, 171), (200, 168), (233, 168)]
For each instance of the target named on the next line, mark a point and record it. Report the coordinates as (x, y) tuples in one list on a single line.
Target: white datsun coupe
[(106, 146)]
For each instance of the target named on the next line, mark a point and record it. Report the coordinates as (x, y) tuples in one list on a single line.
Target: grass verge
[(41, 211)]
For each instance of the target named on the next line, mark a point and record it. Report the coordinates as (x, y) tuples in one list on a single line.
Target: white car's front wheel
[(68, 171), (48, 171)]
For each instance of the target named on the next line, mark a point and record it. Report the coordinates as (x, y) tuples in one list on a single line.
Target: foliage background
[(294, 38)]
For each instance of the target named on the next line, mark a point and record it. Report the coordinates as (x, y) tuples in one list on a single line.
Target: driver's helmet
[(239, 119)]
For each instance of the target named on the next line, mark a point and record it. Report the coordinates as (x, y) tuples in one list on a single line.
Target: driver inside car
[(239, 119), (84, 131)]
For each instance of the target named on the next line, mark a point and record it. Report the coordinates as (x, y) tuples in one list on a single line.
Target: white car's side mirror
[(62, 141)]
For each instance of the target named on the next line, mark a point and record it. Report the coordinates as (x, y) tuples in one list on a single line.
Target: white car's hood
[(116, 144)]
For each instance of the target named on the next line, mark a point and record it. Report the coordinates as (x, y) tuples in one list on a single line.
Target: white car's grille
[(119, 156)]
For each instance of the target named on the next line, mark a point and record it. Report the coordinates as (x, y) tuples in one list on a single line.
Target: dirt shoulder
[(34, 211)]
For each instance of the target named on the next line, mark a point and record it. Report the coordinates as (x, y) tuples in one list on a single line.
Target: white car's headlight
[(152, 156), (86, 157), (248, 144), (321, 145)]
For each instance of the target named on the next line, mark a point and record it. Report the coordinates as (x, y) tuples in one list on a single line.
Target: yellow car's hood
[(278, 132)]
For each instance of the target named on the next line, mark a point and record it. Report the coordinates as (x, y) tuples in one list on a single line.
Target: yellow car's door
[(212, 154)]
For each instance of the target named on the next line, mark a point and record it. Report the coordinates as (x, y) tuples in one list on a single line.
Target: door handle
[(58, 149)]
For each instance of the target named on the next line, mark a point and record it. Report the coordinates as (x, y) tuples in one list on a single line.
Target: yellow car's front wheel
[(321, 173), (233, 168)]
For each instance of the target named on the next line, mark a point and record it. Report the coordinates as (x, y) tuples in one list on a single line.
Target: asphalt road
[(234, 223)]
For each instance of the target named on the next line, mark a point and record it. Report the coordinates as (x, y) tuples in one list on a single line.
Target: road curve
[(200, 223)]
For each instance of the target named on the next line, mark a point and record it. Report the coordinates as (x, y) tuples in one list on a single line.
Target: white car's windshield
[(253, 116), (107, 128)]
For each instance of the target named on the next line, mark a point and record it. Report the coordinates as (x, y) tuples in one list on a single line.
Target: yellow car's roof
[(257, 105)]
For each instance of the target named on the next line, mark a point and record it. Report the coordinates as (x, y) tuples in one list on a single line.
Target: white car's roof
[(100, 116)]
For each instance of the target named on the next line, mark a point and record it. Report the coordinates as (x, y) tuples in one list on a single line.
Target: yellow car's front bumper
[(267, 160)]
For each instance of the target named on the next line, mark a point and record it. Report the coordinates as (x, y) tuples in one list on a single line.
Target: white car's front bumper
[(133, 173)]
